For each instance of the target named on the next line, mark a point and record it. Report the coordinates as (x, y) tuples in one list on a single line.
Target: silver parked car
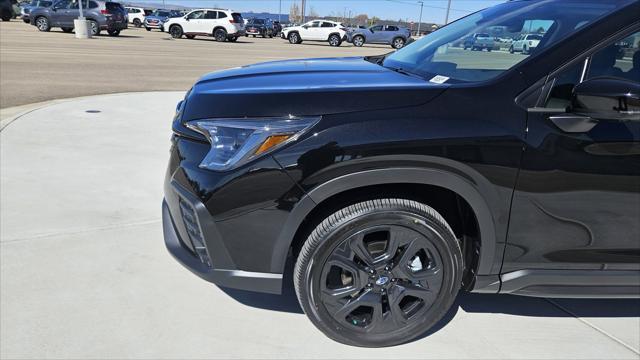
[(102, 15), (392, 35)]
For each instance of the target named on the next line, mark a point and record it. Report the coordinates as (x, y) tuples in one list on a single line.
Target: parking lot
[(84, 272), (38, 66)]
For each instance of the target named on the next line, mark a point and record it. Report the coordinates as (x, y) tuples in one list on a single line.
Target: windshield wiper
[(405, 72)]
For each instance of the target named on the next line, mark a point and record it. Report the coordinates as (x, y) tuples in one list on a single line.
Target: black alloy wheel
[(175, 31), (379, 273), (137, 23), (220, 35)]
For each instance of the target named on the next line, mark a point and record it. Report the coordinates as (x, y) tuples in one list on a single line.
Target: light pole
[(280, 11), (80, 7), (420, 21), (446, 19)]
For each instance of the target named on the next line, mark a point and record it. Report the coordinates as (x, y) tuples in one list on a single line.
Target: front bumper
[(154, 25), (198, 264)]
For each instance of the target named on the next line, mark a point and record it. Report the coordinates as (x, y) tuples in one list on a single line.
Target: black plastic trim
[(572, 283), (231, 278)]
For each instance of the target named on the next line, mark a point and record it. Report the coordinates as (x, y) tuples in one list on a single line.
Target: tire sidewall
[(173, 30), (358, 43), (440, 236), (294, 38), (39, 20), (393, 43), (220, 35), (338, 41)]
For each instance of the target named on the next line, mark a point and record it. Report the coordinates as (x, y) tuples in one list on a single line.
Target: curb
[(23, 110)]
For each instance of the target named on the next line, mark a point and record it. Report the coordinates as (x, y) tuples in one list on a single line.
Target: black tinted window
[(196, 15), (211, 15), (113, 6), (237, 18), (93, 5)]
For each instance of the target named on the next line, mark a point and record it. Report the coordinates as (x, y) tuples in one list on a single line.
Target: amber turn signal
[(271, 142)]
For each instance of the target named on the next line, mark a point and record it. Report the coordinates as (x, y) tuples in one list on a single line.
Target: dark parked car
[(392, 35), (259, 27), (393, 182), (6, 9), (157, 18), (26, 9), (102, 15)]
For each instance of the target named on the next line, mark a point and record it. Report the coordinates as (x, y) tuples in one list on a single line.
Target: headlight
[(235, 142)]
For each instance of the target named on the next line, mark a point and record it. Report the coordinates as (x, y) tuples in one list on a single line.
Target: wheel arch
[(334, 33), (219, 27), (467, 188)]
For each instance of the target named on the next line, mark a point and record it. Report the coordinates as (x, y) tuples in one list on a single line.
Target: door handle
[(572, 123)]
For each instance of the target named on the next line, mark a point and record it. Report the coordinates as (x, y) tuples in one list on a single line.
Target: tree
[(312, 13), (374, 20), (294, 13), (361, 19)]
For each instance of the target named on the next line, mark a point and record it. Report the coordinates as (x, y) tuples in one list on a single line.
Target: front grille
[(194, 231)]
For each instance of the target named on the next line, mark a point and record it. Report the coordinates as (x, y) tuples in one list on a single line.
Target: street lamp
[(81, 25), (446, 19), (420, 21)]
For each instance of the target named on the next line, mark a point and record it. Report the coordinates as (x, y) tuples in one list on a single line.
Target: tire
[(176, 31), (6, 16), (137, 23), (26, 21), (94, 28), (335, 40), (233, 39), (398, 43), (67, 29), (525, 51), (42, 23), (342, 286), (190, 37), (113, 32), (511, 51), (358, 40), (147, 28), (220, 35), (488, 50), (294, 38)]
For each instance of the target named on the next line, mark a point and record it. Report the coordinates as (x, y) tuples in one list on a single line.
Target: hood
[(304, 88)]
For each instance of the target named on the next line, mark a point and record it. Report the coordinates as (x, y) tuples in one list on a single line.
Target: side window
[(377, 28), (315, 24), (196, 15), (221, 15), (621, 59), (211, 15), (392, 28), (93, 5), (327, 25)]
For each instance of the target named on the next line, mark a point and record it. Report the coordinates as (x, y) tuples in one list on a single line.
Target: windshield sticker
[(439, 79)]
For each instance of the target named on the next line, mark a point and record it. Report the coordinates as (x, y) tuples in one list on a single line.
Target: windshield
[(256, 21), (161, 13), (447, 56)]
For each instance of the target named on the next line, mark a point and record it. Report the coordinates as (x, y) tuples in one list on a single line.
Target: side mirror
[(606, 98), (186, 18), (305, 26)]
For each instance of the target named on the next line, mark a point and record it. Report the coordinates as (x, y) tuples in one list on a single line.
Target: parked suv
[(159, 17), (260, 27), (392, 35), (102, 15), (26, 9), (525, 43), (135, 16), (222, 24), (393, 182), (317, 30)]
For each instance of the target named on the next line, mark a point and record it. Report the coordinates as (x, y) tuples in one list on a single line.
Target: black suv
[(393, 182)]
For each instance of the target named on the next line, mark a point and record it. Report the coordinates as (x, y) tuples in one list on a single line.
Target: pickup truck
[(479, 42)]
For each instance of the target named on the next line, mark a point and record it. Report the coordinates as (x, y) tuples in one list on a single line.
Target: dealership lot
[(40, 66)]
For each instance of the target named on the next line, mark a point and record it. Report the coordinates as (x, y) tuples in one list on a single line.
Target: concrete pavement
[(84, 272)]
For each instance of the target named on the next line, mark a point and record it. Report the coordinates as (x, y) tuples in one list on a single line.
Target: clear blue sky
[(385, 9)]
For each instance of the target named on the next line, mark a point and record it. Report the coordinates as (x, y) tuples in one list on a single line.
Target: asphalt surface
[(84, 272), (36, 66)]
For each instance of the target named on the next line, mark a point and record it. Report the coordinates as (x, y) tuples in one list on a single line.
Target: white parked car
[(525, 43), (135, 15), (222, 24), (316, 30)]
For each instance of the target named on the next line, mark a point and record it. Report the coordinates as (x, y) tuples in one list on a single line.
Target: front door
[(577, 201), (192, 23), (376, 34)]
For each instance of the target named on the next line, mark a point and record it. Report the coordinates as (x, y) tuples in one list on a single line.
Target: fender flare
[(466, 187), (334, 33)]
